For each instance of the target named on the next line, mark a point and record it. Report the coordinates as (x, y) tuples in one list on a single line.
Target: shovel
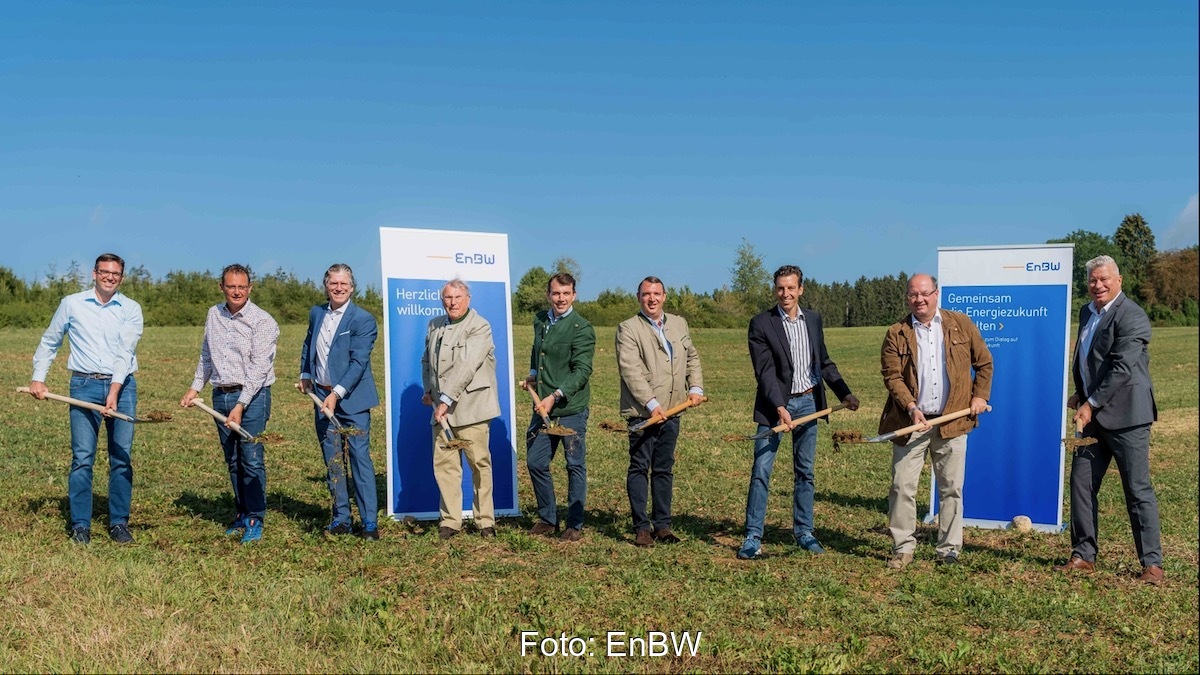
[(1080, 440), (855, 437), (96, 406), (552, 428), (338, 429), (452, 442), (780, 428), (325, 411), (223, 420), (668, 415)]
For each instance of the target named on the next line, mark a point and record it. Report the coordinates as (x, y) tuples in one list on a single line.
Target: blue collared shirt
[(103, 337)]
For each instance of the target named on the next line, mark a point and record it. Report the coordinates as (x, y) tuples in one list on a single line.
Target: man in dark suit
[(335, 363), (1114, 400), (787, 350)]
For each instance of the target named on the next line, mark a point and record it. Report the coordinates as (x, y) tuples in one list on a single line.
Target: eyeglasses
[(927, 294), (236, 289), (108, 273)]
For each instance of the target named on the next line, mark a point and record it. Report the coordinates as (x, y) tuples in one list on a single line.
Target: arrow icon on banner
[(1001, 326)]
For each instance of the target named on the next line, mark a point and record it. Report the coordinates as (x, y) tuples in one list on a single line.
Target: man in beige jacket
[(659, 369), (459, 372)]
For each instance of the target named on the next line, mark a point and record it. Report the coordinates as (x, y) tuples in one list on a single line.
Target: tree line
[(1166, 284)]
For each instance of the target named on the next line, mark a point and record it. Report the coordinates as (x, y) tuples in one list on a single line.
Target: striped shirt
[(803, 377), (238, 350), (102, 337)]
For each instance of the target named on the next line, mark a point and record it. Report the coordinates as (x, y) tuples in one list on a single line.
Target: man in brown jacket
[(927, 362), (659, 369)]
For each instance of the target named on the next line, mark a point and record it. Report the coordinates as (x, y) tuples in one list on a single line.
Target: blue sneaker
[(237, 525), (809, 543), (751, 550), (336, 529), (254, 527), (369, 531)]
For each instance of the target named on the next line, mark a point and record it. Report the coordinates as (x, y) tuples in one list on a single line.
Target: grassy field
[(185, 598)]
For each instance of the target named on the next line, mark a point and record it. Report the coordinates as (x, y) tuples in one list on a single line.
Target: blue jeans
[(804, 454), (85, 431), (652, 451), (540, 448), (358, 454), (247, 473)]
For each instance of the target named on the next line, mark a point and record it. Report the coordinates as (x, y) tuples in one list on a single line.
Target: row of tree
[(1166, 283)]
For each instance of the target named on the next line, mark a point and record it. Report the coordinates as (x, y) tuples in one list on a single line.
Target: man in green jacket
[(559, 368)]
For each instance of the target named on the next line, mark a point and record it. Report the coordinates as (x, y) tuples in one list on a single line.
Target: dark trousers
[(1131, 450), (652, 454), (540, 448)]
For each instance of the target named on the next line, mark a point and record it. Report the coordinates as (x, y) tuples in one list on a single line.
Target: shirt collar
[(652, 322), (461, 318), (799, 313), (554, 319), (1093, 303), (937, 318)]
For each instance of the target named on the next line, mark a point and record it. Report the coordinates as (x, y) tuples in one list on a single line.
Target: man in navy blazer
[(787, 350), (1114, 400), (336, 364)]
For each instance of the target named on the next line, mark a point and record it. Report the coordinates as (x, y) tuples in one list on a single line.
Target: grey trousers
[(949, 456), (1131, 449)]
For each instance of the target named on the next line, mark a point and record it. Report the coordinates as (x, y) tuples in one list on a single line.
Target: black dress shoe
[(81, 535), (445, 533), (338, 529)]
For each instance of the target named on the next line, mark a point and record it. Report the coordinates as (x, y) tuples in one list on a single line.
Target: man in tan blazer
[(659, 369), (459, 372)]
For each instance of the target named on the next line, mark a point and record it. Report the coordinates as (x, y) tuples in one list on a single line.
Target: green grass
[(184, 598)]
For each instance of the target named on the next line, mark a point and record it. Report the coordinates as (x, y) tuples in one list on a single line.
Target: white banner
[(1020, 298), (416, 264)]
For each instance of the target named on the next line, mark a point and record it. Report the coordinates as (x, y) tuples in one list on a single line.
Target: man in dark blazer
[(1114, 400), (335, 363), (791, 365)]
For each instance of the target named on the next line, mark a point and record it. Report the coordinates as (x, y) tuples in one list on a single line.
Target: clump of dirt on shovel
[(268, 438), (1073, 443), (457, 444), (349, 431), (559, 430), (846, 436), (612, 426), (158, 416)]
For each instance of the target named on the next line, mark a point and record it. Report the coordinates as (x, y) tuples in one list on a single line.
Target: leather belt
[(229, 389), (804, 393), (91, 376)]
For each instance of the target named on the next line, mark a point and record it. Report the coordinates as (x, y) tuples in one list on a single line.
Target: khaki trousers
[(949, 457), (448, 472)]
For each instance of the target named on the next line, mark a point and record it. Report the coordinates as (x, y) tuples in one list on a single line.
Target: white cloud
[(1186, 229)]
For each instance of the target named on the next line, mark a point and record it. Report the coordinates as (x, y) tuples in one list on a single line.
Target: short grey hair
[(1101, 261), (338, 268), (459, 284)]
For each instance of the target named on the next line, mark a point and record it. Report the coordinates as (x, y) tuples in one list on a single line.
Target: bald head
[(922, 297)]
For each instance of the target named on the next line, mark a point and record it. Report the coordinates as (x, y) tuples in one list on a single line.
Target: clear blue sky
[(637, 138)]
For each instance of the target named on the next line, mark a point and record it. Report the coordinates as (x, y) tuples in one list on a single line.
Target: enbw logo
[(474, 259), (1042, 266)]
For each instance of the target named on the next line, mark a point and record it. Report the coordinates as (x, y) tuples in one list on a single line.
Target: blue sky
[(638, 138)]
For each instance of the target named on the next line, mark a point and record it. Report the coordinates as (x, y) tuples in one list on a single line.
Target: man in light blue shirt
[(102, 327)]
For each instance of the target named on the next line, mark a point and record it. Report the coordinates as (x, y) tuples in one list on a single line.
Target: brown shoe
[(488, 533), (541, 528), (1075, 564), (571, 534), (644, 539), (1152, 575), (666, 536), (445, 533)]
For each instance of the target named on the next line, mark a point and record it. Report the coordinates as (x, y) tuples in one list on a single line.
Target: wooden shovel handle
[(1078, 428), (321, 406), (82, 404), (222, 419), (537, 405), (668, 414), (807, 418), (948, 417)]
